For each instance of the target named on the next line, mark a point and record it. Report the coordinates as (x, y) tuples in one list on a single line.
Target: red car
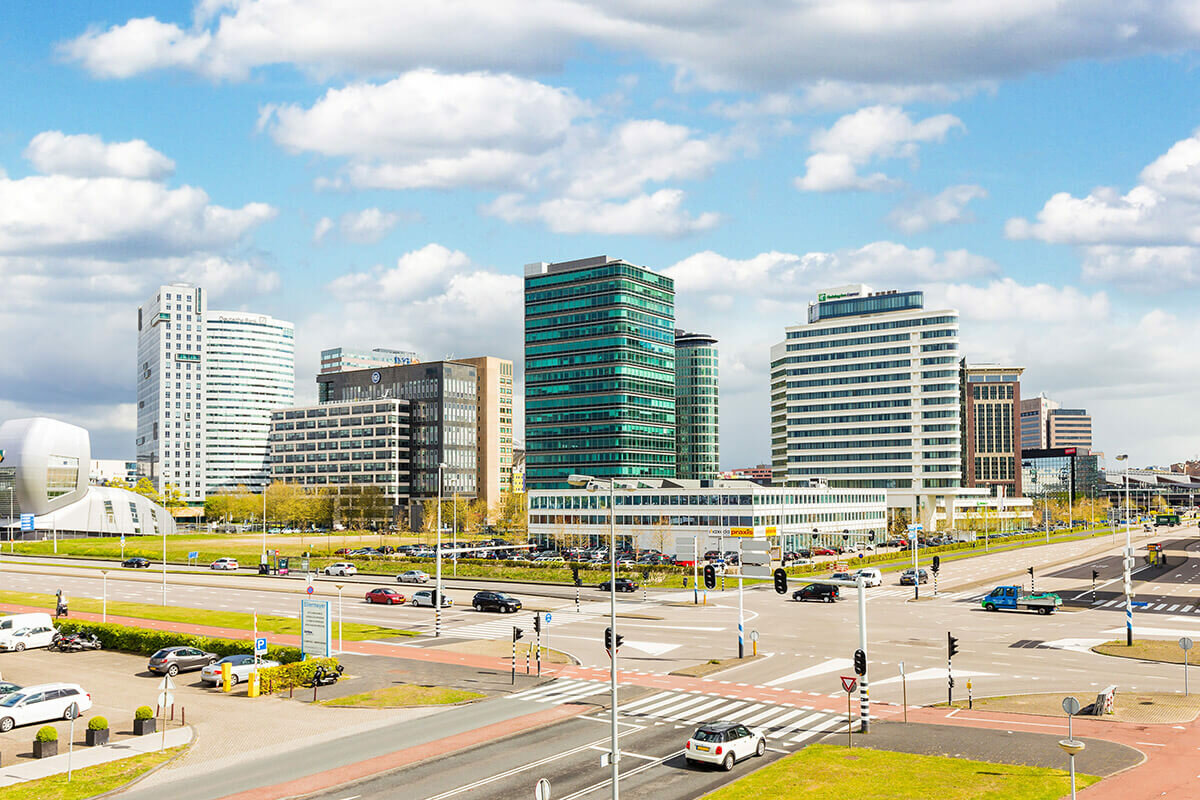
[(342, 551), (386, 596), (823, 551)]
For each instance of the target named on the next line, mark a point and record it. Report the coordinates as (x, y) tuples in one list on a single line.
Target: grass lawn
[(90, 781), (404, 695), (353, 631), (1165, 650), (827, 772)]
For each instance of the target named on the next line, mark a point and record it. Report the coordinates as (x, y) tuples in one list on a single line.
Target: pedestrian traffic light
[(1095, 574), (710, 576), (781, 581), (860, 663), (951, 645), (517, 633), (937, 563), (537, 623)]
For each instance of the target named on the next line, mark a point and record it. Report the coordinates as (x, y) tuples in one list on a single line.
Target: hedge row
[(141, 641), (297, 673)]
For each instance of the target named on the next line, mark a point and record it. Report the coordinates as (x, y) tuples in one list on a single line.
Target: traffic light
[(1095, 574), (860, 663), (645, 574), (608, 640), (710, 576), (575, 575), (537, 623), (937, 563), (1030, 571), (951, 645), (781, 581), (516, 633)]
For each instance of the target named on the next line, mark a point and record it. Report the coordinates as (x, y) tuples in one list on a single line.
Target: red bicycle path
[(1170, 768)]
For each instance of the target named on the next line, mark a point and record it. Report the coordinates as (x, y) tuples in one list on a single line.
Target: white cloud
[(869, 134), (833, 95), (1005, 300), (1145, 268), (657, 214), (415, 275), (322, 228), (755, 44), (87, 156), (369, 225), (947, 206)]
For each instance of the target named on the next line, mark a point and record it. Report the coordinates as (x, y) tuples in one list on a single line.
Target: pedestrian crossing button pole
[(951, 651), (937, 565), (516, 635)]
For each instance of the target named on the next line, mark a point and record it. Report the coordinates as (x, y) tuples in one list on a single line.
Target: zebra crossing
[(782, 724), (1153, 605), (907, 591), (499, 626)]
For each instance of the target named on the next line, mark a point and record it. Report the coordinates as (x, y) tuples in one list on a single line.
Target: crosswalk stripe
[(1172, 608), (654, 701), (688, 707), (577, 693), (799, 724), (742, 714), (697, 712), (1109, 603), (718, 713), (816, 730), (549, 688), (757, 718), (778, 721)]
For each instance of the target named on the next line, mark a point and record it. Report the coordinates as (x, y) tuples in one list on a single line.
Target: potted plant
[(45, 743), (143, 721), (97, 732)]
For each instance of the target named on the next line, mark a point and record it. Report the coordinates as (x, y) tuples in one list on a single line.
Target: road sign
[(756, 571), (260, 646), (1070, 705), (166, 684), (27, 522), (541, 790), (165, 699), (1185, 643), (1139, 604), (849, 683), (901, 668), (194, 554), (309, 590), (547, 616), (754, 636), (315, 631)]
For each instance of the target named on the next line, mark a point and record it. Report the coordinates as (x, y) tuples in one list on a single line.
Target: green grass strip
[(89, 781)]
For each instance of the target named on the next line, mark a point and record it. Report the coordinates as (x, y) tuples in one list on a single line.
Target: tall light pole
[(592, 485), (437, 599), (1127, 560), (264, 542)]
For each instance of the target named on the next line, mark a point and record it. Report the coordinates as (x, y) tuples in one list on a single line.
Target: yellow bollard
[(252, 685), (226, 677), (755, 643)]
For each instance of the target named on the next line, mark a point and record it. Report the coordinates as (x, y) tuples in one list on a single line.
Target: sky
[(379, 172)]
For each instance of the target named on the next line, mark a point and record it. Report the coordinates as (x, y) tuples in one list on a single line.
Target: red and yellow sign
[(747, 532)]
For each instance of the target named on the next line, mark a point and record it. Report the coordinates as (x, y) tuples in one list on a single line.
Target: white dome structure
[(44, 467)]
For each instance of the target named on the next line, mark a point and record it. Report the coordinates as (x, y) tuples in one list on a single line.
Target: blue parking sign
[(260, 646)]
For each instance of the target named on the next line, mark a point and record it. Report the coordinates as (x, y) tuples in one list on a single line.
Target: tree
[(511, 515), (145, 487), (171, 498)]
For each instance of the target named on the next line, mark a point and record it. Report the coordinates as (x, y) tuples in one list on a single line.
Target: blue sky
[(378, 173)]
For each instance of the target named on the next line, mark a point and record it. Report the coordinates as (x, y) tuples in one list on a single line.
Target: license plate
[(702, 747)]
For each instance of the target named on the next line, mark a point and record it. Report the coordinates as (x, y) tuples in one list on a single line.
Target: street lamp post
[(339, 588), (263, 560), (1127, 560), (437, 599)]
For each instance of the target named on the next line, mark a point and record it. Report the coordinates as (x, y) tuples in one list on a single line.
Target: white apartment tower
[(170, 386), (866, 395)]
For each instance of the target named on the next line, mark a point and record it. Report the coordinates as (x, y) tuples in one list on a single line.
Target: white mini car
[(342, 568), (29, 637), (224, 563), (42, 703), (723, 743)]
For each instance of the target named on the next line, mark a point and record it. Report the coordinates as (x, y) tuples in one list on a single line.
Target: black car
[(817, 591), (623, 585), (137, 562), (495, 601)]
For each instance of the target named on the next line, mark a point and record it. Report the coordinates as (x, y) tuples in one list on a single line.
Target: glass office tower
[(697, 450), (599, 371)]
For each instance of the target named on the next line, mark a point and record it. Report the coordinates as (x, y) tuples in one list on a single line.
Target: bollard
[(252, 686), (226, 677), (970, 701), (183, 716), (172, 712)]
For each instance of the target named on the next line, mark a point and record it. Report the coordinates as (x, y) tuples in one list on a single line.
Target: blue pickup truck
[(1012, 598)]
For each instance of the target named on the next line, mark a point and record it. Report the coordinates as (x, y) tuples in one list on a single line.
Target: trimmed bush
[(46, 733), (97, 724), (287, 676), (143, 712), (141, 641)]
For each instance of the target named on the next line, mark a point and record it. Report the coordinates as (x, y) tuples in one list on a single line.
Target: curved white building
[(44, 467), (249, 371)]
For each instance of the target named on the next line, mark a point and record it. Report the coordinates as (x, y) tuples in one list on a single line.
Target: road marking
[(653, 701), (624, 753), (696, 712), (653, 648), (717, 713), (817, 730), (602, 784), (832, 665), (681, 709), (515, 770), (1152, 744)]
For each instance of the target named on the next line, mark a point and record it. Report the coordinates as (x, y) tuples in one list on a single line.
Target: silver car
[(413, 576), (240, 667)]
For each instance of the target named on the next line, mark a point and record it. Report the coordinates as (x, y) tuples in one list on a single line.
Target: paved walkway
[(91, 756)]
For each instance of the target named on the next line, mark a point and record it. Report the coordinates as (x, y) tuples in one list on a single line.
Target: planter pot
[(96, 738), (143, 726), (45, 749)]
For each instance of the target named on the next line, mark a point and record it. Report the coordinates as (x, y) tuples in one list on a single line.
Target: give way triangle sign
[(849, 683)]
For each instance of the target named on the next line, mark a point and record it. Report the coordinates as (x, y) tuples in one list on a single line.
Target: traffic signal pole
[(864, 694), (741, 616)]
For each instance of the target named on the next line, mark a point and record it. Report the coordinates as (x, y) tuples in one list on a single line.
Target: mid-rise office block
[(1035, 422), (1069, 427), (697, 407), (340, 359), (494, 438), (992, 444), (599, 371), (866, 395)]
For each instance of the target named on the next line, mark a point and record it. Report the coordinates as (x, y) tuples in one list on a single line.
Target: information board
[(314, 627)]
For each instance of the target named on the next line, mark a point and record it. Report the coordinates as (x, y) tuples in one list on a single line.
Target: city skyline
[(144, 152)]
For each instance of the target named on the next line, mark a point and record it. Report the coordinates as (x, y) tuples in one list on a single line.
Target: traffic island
[(405, 696), (1133, 707), (1167, 651), (713, 666)]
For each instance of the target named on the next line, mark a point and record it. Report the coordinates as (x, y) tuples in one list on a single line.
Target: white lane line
[(816, 730), (832, 665), (514, 771)]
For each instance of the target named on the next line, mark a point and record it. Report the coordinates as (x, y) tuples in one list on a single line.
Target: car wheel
[(6, 724), (989, 607), (762, 748), (69, 713), (479, 606), (727, 764), (20, 646), (1043, 611), (233, 679), (173, 670)]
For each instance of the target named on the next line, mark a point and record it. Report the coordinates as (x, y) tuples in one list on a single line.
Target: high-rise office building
[(170, 389), (1069, 427), (599, 371), (866, 395), (697, 443), (341, 359), (992, 440), (249, 371), (494, 437), (1035, 421)]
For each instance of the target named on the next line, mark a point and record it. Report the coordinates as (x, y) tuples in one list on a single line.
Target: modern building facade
[(105, 470), (1070, 427), (337, 446), (760, 474), (1068, 474), (170, 389), (866, 396), (44, 466), (991, 421), (494, 437), (340, 359), (718, 513), (1035, 421), (697, 407), (599, 371), (249, 371)]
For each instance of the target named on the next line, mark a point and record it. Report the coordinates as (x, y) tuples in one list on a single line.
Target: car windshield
[(502, 596), (161, 654), (706, 735), (11, 700)]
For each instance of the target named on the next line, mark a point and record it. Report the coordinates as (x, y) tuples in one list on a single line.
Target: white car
[(42, 703), (871, 576), (240, 667), (341, 568), (39, 635), (413, 576), (723, 743), (425, 598), (224, 563)]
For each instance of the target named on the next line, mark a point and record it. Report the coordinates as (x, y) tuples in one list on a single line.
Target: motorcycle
[(323, 676), (75, 642)]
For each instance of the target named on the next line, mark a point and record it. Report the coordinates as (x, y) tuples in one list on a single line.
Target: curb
[(152, 770)]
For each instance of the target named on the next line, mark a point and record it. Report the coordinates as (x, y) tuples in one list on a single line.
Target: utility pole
[(1128, 560)]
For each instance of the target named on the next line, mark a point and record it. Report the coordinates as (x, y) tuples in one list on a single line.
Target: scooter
[(75, 642), (324, 676)]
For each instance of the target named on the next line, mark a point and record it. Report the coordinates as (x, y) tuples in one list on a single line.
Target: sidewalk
[(91, 756)]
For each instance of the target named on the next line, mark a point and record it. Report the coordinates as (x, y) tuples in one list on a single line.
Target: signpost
[(193, 555), (913, 532), (165, 698), (904, 691), (754, 561), (849, 684), (1185, 644)]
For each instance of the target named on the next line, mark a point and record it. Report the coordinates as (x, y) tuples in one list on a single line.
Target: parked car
[(823, 592), (841, 576), (386, 596), (137, 562), (823, 551), (12, 623), (342, 568), (623, 585), (8, 687), (42, 703), (177, 659), (27, 638), (495, 601), (413, 576), (871, 576), (550, 559), (240, 667), (424, 597), (224, 563), (723, 743), (910, 578)]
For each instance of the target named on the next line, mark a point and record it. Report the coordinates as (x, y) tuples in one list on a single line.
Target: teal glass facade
[(599, 372), (697, 445)]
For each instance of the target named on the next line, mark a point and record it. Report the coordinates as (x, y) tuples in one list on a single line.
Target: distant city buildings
[(1035, 421), (1070, 427), (1068, 474), (340, 359), (991, 444), (760, 474), (106, 470), (494, 437), (697, 411)]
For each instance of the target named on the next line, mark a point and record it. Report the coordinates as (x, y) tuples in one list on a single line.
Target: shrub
[(143, 712), (97, 724), (46, 733), (146, 642), (286, 676)]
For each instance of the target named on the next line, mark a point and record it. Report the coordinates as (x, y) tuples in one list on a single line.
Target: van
[(871, 576), (12, 623)]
